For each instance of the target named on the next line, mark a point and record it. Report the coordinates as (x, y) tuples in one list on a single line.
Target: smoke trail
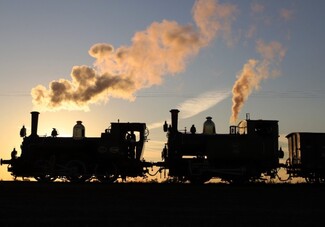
[(254, 72), (163, 48), (86, 87), (194, 106)]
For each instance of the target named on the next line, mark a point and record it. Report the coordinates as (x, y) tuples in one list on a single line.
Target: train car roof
[(128, 125), (261, 120), (305, 133)]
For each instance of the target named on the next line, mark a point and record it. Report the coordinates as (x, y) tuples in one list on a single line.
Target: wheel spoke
[(76, 171), (107, 174), (44, 171)]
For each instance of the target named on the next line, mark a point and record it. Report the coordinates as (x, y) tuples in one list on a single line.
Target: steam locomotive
[(117, 153), (248, 153)]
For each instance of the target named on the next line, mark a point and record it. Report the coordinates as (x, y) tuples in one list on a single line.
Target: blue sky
[(41, 42)]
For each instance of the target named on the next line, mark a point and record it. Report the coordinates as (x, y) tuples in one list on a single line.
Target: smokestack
[(34, 123), (174, 115)]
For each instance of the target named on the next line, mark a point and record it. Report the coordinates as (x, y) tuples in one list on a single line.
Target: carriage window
[(290, 146), (294, 148), (298, 152)]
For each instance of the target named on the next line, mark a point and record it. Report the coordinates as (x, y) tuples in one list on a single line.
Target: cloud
[(194, 106), (153, 149)]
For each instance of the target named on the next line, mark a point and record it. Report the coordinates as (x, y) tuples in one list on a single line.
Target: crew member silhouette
[(131, 140)]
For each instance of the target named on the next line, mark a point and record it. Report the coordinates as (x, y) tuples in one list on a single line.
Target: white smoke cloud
[(162, 49), (214, 19), (286, 14), (257, 8)]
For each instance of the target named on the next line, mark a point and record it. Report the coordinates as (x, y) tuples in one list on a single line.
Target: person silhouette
[(193, 129), (131, 140), (54, 133), (23, 131)]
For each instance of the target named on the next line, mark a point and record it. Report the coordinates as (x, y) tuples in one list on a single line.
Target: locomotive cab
[(256, 127), (262, 127), (129, 136)]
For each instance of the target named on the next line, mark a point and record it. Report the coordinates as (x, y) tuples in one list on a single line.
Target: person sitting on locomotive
[(23, 131), (193, 129), (131, 139), (54, 133), (14, 154)]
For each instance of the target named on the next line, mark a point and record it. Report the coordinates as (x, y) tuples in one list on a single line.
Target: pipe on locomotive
[(174, 115), (34, 123)]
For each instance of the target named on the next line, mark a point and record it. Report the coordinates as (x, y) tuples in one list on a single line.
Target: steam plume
[(254, 71), (194, 106), (163, 48)]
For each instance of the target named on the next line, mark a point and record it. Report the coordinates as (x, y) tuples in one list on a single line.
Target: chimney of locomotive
[(34, 123), (174, 113)]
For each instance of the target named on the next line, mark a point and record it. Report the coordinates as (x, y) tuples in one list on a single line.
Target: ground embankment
[(152, 204)]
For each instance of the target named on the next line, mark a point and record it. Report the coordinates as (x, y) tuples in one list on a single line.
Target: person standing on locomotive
[(131, 141)]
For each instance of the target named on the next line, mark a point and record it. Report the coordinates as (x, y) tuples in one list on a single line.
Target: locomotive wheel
[(44, 169), (314, 178), (76, 171), (45, 178), (108, 174)]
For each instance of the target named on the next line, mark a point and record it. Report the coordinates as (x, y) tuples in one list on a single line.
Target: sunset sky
[(103, 61)]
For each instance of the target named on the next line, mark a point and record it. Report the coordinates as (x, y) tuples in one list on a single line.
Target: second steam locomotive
[(248, 153)]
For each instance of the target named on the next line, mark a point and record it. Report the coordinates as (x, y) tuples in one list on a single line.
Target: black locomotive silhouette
[(249, 153)]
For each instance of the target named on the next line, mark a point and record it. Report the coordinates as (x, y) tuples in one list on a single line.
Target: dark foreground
[(130, 204)]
